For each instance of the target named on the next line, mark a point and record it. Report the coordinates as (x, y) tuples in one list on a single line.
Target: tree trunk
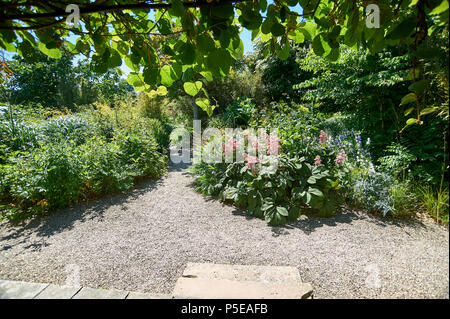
[(195, 111)]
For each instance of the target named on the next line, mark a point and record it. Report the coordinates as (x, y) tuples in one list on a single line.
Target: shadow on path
[(64, 219), (309, 223)]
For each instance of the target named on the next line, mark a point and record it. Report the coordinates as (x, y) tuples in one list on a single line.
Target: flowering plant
[(276, 194)]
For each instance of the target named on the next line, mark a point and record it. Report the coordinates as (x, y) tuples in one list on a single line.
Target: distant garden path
[(142, 241)]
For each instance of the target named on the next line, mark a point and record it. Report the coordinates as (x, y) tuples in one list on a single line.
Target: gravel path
[(142, 241)]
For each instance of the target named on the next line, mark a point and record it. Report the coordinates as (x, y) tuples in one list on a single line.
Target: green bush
[(52, 164), (73, 128), (149, 107), (45, 179), (237, 114), (238, 84), (278, 195)]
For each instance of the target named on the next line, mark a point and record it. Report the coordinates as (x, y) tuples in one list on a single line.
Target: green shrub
[(372, 191), (54, 163), (279, 195), (244, 83), (45, 179), (405, 202), (73, 128), (18, 135), (336, 169), (237, 114), (379, 192), (149, 107)]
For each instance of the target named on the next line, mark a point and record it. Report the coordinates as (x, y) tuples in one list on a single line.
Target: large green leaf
[(440, 8), (315, 191), (187, 53), (114, 59), (219, 62), (205, 44), (134, 80), (204, 104), (428, 110), (150, 75), (192, 88), (317, 45), (282, 49), (403, 30), (170, 73), (53, 53), (278, 29), (282, 211), (266, 26), (167, 78), (333, 55), (409, 98), (419, 87), (411, 121)]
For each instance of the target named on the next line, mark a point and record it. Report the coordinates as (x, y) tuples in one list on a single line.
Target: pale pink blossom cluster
[(230, 144), (273, 145), (254, 142), (251, 161), (341, 158), (323, 137), (317, 161), (262, 145), (269, 143)]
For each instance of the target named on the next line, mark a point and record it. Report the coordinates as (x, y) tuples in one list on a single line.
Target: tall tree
[(45, 81)]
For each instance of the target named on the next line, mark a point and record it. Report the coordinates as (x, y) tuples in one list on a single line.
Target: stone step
[(141, 295), (223, 281), (232, 289), (242, 272)]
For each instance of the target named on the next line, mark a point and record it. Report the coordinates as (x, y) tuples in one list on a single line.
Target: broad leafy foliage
[(164, 41)]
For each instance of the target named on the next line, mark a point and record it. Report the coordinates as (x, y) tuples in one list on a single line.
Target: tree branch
[(94, 8)]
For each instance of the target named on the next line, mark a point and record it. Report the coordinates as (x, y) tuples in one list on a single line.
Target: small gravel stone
[(141, 241)]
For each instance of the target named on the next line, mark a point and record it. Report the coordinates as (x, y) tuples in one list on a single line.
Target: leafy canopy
[(164, 41)]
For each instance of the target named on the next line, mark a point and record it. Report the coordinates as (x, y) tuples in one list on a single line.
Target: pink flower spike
[(323, 137), (317, 161), (252, 160), (341, 158), (274, 145)]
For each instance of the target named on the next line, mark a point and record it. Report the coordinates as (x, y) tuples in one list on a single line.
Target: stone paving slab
[(25, 290), (199, 280), (20, 289), (242, 272), (232, 289), (91, 293), (58, 292), (226, 281), (141, 295)]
